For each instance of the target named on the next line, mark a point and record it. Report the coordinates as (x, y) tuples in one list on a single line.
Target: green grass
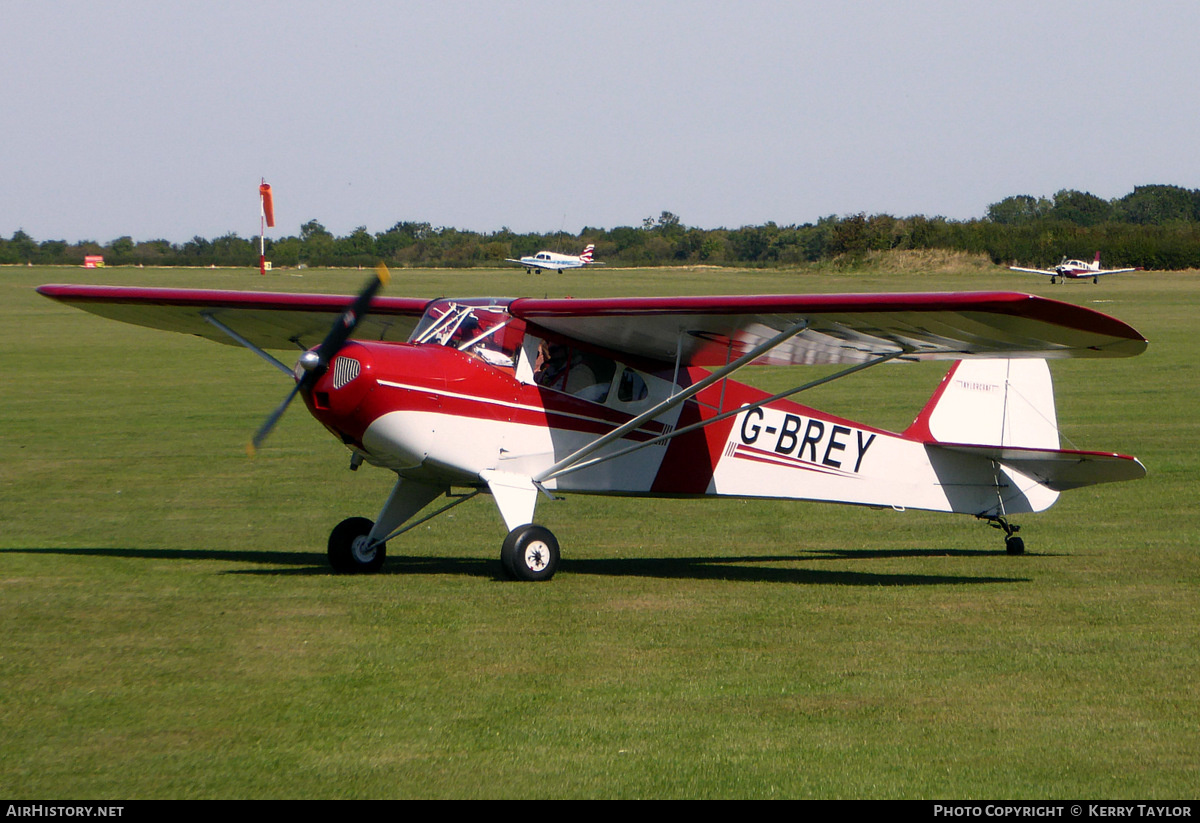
[(170, 628)]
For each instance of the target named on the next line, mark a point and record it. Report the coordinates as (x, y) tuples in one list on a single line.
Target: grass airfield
[(170, 628)]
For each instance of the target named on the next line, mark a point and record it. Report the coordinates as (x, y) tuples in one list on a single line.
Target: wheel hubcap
[(362, 549), (537, 555)]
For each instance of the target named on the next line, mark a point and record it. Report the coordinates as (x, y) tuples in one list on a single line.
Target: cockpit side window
[(573, 371), (580, 372)]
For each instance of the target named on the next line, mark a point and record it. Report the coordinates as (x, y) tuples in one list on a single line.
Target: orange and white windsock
[(268, 205)]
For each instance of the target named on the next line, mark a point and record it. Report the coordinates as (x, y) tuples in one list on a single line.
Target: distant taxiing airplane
[(554, 261), (1075, 270)]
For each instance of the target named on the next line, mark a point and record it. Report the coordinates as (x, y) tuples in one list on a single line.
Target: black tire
[(1014, 545), (530, 553), (346, 553)]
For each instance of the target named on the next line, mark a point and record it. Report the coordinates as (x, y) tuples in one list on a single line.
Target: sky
[(158, 120)]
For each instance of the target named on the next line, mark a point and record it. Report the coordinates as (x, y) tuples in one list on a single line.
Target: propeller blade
[(343, 327), (265, 429)]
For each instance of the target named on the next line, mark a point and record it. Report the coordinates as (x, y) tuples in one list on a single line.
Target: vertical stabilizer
[(991, 402)]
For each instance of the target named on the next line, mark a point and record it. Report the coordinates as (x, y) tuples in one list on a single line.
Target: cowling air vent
[(345, 369)]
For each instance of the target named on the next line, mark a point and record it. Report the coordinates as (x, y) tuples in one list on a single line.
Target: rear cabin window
[(631, 387)]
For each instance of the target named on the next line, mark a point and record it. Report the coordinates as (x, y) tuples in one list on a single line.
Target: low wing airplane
[(1075, 270), (523, 398), (554, 261)]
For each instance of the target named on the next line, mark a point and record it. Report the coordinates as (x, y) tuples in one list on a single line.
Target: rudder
[(991, 402)]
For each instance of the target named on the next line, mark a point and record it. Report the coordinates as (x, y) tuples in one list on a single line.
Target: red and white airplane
[(1075, 270), (553, 261), (526, 398)]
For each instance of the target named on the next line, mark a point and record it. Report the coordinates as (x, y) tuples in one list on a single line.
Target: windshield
[(481, 327)]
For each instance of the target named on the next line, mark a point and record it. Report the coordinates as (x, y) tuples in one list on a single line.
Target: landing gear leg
[(1012, 543), (530, 553), (358, 546)]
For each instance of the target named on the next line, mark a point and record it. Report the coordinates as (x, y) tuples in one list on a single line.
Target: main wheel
[(349, 550), (530, 553), (1014, 545)]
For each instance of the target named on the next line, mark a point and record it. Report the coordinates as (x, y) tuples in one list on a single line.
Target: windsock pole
[(266, 214)]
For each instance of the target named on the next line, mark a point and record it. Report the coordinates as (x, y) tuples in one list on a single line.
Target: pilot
[(566, 370), (551, 363)]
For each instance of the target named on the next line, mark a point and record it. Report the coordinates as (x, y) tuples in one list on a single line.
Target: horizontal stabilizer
[(1057, 469)]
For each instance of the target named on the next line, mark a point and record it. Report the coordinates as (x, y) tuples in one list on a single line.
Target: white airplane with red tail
[(1075, 270), (526, 398), (553, 261)]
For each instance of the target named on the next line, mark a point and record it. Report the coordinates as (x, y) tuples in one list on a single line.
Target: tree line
[(1157, 227)]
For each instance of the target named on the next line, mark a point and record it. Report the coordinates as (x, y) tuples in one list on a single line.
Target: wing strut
[(269, 358), (731, 413), (672, 401)]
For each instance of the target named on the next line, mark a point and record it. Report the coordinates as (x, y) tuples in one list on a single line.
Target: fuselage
[(552, 260), (1077, 268), (475, 391)]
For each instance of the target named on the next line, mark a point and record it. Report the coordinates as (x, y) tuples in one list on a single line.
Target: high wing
[(1034, 271), (703, 331), (839, 328), (270, 320)]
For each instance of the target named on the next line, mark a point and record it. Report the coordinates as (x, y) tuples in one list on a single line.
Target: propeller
[(315, 362)]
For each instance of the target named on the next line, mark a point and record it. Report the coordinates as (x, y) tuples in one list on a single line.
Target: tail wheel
[(350, 550), (1012, 543), (530, 553)]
